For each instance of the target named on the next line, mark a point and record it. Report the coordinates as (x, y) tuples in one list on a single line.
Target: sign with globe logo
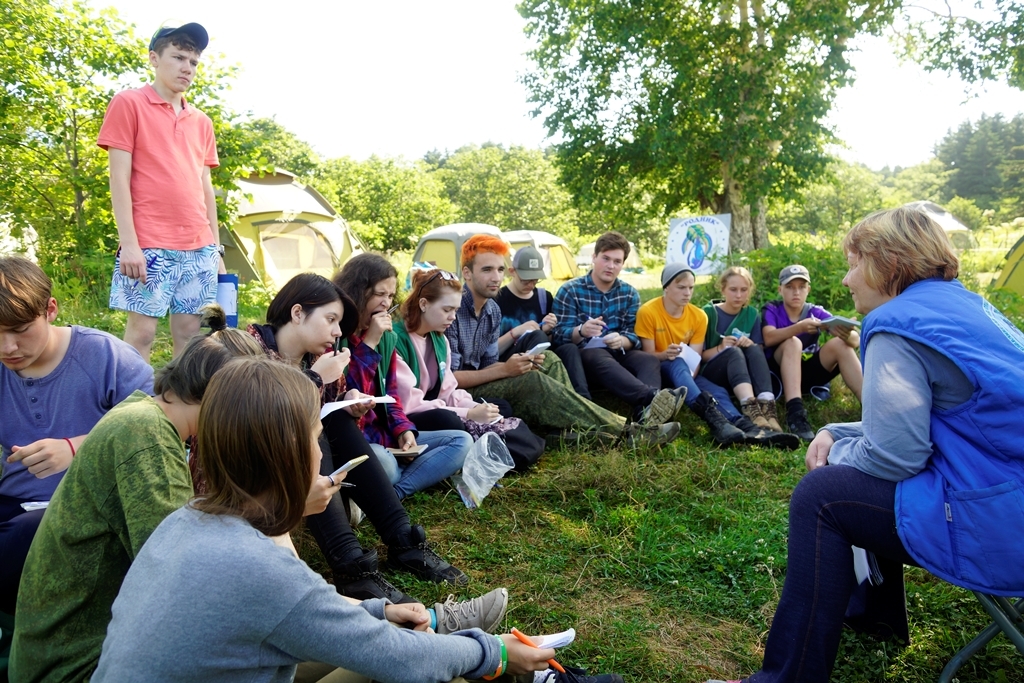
[(701, 242)]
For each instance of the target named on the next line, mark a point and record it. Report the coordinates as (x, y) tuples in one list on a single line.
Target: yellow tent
[(1011, 277), (442, 247), (559, 261), (284, 228)]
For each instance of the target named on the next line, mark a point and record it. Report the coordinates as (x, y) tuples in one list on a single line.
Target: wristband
[(501, 665), (71, 446), (580, 330)]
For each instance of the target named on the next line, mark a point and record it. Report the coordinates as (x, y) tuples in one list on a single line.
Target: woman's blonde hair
[(899, 247), (735, 270), (255, 427)]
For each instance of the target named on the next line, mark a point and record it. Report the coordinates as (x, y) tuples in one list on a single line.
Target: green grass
[(668, 563)]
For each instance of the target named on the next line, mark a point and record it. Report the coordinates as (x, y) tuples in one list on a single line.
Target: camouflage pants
[(545, 400)]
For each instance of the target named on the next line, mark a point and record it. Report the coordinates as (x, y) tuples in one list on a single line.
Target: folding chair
[(1006, 617)]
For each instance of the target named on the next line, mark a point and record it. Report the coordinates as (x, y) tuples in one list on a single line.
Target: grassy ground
[(668, 563)]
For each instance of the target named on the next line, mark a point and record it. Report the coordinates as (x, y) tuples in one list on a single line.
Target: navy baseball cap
[(194, 31)]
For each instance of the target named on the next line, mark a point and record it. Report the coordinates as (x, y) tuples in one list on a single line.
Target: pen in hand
[(525, 639)]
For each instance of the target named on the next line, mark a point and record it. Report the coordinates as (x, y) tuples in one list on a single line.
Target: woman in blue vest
[(932, 476)]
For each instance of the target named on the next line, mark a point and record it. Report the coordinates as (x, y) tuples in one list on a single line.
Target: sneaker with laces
[(484, 612), (799, 424), (418, 558), (636, 434), (752, 411), (663, 407), (574, 675), (360, 579), (759, 436)]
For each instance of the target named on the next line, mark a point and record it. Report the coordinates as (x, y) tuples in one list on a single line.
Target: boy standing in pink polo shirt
[(161, 151)]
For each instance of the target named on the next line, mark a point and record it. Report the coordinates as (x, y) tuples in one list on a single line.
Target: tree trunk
[(749, 229)]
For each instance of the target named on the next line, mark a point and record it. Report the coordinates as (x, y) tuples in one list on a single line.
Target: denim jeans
[(832, 508), (676, 373), (447, 450)]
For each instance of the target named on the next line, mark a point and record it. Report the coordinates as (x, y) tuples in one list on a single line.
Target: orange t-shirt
[(654, 322), (169, 153)]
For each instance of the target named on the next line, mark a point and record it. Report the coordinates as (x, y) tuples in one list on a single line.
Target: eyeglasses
[(444, 275)]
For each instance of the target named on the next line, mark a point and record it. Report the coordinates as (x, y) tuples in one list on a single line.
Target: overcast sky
[(402, 77)]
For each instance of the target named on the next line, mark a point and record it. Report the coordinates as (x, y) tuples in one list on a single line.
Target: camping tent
[(958, 233), (284, 228), (559, 263), (1011, 277), (585, 258), (442, 247)]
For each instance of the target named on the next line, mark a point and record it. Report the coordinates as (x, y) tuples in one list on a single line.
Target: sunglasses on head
[(444, 275)]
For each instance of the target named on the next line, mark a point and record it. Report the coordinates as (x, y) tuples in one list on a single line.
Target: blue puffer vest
[(962, 517)]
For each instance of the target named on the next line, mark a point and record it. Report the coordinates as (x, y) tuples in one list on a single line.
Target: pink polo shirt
[(169, 153)]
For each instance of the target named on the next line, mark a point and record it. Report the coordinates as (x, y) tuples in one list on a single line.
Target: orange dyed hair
[(482, 244)]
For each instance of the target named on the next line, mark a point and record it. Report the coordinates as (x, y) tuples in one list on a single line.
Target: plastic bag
[(487, 462)]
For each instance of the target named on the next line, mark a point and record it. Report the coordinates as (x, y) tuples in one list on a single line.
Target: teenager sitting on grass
[(427, 387), (55, 385), (220, 580), (932, 476), (303, 322), (792, 330), (668, 323), (129, 474), (734, 355), (371, 282), (537, 387)]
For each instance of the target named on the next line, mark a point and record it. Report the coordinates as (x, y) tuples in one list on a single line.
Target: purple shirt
[(97, 372), (774, 314)]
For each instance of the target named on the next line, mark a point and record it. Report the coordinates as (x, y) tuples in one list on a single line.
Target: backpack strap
[(543, 301)]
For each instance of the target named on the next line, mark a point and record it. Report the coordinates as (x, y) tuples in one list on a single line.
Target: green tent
[(442, 247), (1011, 277), (284, 228)]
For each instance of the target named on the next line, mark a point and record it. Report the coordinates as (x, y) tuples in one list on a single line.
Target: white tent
[(958, 233)]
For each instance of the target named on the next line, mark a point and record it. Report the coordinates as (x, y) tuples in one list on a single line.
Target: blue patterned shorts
[(182, 281)]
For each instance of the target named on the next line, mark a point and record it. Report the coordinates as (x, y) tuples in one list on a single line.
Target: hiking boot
[(767, 407), (484, 613), (663, 407), (418, 558), (360, 579), (796, 420), (636, 434), (722, 431), (759, 436), (752, 411), (574, 675)]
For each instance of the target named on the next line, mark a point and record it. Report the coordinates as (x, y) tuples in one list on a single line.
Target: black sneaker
[(759, 436), (418, 558), (573, 675), (359, 579), (797, 422)]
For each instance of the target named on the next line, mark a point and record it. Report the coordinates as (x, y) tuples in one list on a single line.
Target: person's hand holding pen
[(593, 327), (524, 656), (520, 364), (484, 413), (332, 363)]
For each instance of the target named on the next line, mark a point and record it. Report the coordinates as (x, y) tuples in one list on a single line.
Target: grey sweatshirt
[(209, 598), (904, 381)]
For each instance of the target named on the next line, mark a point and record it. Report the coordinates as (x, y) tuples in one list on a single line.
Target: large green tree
[(663, 105), (388, 201), (513, 189)]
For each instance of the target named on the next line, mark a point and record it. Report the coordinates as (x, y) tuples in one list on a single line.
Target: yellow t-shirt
[(654, 322)]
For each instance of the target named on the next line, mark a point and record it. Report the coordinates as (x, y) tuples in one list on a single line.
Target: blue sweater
[(209, 598)]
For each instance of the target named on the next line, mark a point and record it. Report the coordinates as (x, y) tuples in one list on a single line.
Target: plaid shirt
[(386, 422), (579, 300), (474, 340)]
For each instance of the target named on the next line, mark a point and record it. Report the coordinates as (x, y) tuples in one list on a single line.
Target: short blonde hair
[(899, 247), (735, 270)]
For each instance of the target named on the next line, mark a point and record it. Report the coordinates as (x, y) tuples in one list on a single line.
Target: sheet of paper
[(691, 357), (35, 505), (595, 343), (860, 564), (329, 408), (556, 640)]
